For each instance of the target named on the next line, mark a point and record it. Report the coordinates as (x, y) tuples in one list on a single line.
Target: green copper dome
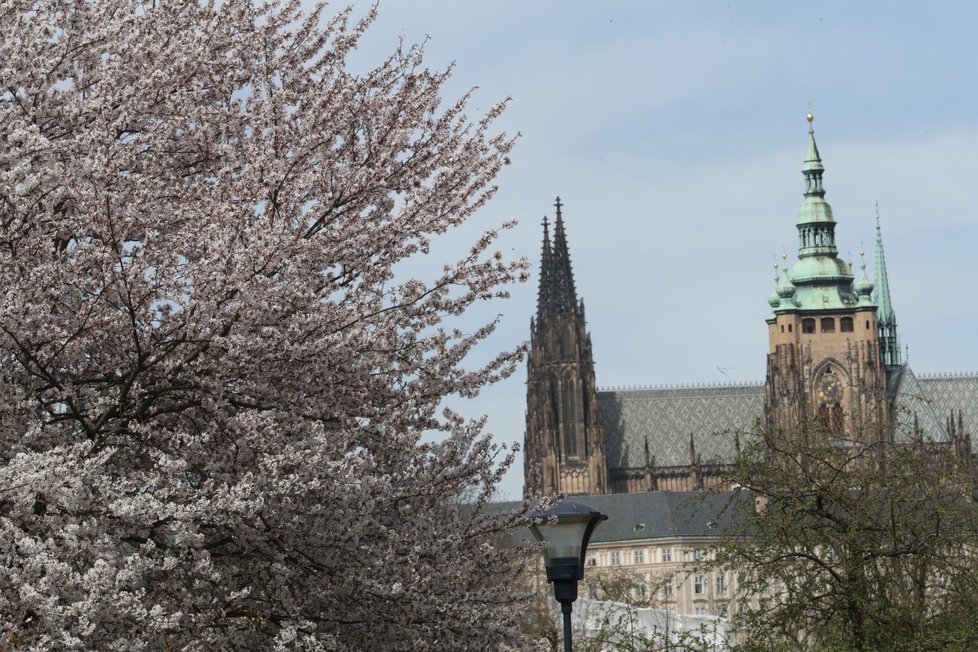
[(821, 281)]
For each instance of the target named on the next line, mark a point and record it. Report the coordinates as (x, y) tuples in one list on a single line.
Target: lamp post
[(566, 529)]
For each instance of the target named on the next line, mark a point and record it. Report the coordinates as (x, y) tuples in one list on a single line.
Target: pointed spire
[(885, 315), (816, 226), (813, 167), (543, 292), (563, 296)]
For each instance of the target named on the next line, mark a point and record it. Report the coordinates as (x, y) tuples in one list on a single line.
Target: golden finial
[(810, 117), (784, 255)]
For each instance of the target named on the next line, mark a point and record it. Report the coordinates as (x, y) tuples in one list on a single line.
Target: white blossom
[(214, 385)]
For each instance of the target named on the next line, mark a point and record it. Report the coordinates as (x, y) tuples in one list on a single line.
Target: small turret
[(775, 298), (863, 287)]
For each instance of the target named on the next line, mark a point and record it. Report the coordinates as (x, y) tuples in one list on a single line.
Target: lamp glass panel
[(563, 541)]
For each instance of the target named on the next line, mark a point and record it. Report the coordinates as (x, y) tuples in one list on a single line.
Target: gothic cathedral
[(834, 362)]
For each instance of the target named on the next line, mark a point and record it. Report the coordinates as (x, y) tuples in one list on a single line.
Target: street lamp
[(566, 529)]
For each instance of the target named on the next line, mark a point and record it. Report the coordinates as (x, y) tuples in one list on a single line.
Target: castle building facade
[(834, 360)]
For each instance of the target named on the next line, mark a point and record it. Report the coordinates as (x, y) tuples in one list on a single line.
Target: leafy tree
[(214, 386), (854, 546)]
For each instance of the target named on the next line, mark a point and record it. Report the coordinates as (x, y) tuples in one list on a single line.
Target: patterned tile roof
[(913, 404), (667, 416), (948, 392), (715, 414)]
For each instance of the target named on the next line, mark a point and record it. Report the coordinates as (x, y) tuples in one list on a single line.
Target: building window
[(823, 417), (845, 325), (638, 557), (838, 419), (591, 561), (789, 328), (699, 584), (867, 324), (700, 610), (808, 325), (782, 328), (697, 554), (721, 584), (615, 558), (666, 554), (828, 324), (667, 588), (641, 591), (570, 419)]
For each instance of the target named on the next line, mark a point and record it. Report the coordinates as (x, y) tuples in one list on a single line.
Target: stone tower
[(563, 431), (825, 365)]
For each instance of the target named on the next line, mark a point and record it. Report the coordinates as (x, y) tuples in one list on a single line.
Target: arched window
[(845, 324), (823, 417), (565, 342), (569, 418), (828, 324), (789, 328), (808, 325)]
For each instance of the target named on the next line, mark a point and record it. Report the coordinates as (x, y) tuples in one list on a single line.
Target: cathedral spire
[(562, 296), (819, 280), (543, 293), (564, 436), (813, 167), (885, 315)]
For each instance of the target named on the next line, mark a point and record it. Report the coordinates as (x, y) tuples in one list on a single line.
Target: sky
[(674, 134)]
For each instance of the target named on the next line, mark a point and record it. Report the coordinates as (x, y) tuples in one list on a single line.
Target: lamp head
[(566, 529)]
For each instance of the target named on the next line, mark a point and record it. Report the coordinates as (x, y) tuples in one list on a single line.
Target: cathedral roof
[(914, 407), (957, 392), (714, 415)]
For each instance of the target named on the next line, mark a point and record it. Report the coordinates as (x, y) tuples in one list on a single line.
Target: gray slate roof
[(657, 515), (667, 416), (665, 514)]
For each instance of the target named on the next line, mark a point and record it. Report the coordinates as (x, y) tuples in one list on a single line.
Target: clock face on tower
[(829, 389)]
